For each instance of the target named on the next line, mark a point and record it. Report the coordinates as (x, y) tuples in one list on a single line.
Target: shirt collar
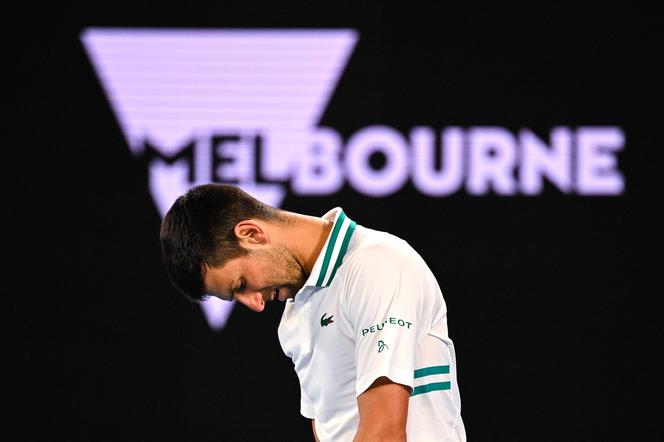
[(334, 249)]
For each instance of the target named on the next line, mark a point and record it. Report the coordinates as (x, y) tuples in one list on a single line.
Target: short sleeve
[(385, 289)]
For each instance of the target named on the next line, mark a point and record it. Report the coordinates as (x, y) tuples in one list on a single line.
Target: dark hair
[(199, 230)]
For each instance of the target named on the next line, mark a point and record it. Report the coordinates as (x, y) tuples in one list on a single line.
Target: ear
[(251, 233)]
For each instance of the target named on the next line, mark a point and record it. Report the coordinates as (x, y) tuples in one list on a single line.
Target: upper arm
[(383, 411), (384, 306), (387, 292)]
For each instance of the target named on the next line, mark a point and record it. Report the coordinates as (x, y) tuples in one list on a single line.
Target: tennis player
[(364, 321)]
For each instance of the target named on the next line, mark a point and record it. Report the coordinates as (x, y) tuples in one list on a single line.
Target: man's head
[(203, 230)]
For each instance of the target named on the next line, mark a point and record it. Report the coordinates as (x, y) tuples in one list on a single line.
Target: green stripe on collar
[(342, 252), (337, 246)]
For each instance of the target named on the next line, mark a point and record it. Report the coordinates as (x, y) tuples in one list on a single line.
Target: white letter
[(492, 158), (318, 171), (538, 161), (425, 176), (393, 174), (238, 153), (596, 162)]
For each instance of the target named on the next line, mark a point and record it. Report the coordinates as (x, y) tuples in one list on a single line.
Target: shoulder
[(381, 264), (382, 253), (384, 273)]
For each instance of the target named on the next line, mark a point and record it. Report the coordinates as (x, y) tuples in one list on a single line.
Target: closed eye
[(241, 288)]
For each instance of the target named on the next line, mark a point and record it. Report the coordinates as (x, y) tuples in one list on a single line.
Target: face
[(265, 274)]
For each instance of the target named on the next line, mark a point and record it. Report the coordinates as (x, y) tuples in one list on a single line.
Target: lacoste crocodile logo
[(324, 322)]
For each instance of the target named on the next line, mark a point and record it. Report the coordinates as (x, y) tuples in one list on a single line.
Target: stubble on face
[(282, 269)]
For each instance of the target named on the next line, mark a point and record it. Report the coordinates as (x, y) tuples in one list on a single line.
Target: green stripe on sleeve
[(330, 248), (430, 387), (342, 251), (428, 371)]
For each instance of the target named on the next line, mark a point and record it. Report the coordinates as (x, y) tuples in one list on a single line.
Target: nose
[(253, 301)]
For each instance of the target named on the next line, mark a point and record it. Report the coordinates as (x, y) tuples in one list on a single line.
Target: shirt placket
[(305, 327)]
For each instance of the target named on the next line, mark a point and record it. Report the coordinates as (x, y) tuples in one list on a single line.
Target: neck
[(305, 237)]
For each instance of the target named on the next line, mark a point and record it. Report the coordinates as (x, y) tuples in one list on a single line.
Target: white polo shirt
[(370, 308)]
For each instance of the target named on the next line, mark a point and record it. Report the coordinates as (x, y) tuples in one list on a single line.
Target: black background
[(554, 301)]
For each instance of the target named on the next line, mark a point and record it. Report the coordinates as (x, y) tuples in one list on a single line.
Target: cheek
[(260, 279)]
